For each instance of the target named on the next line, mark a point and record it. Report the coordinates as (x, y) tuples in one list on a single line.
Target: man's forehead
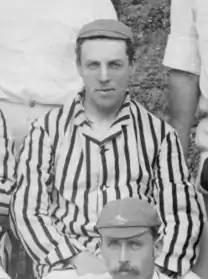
[(104, 48), (140, 236)]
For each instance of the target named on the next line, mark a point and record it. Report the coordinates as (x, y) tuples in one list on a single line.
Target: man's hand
[(4, 222), (87, 263), (170, 274)]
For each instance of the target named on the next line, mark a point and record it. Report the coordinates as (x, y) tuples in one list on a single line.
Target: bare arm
[(183, 101), (182, 57)]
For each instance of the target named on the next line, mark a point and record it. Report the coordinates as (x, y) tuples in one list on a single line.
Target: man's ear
[(158, 246), (79, 67), (132, 70)]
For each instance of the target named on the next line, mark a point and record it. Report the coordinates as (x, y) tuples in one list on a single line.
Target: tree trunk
[(117, 5)]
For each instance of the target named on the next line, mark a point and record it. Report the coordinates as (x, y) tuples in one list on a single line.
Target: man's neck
[(100, 117)]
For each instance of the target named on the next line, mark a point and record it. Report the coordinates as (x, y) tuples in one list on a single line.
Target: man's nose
[(104, 74), (123, 254)]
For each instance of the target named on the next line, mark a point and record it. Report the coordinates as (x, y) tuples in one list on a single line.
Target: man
[(187, 57), (101, 147), (7, 181), (37, 59), (130, 239)]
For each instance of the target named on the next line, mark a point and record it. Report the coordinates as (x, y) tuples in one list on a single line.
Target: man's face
[(105, 69), (130, 258)]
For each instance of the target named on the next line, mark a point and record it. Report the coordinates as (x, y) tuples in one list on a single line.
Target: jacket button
[(32, 104)]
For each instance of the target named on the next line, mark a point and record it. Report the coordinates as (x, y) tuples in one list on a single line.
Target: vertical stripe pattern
[(66, 175)]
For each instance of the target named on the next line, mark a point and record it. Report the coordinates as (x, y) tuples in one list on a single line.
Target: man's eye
[(113, 244), (135, 245), (115, 65), (93, 65)]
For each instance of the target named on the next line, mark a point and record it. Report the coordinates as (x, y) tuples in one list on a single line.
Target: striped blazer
[(7, 167), (66, 175)]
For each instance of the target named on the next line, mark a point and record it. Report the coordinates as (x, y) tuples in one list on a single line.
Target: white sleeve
[(182, 47)]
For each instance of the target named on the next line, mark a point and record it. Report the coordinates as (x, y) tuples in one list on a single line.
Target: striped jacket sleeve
[(179, 206), (7, 166), (30, 202)]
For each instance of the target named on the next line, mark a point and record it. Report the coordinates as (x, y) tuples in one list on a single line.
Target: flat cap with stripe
[(127, 218)]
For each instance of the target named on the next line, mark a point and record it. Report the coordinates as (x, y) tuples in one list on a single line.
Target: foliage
[(150, 23)]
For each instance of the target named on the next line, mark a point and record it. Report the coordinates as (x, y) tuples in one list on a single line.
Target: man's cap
[(127, 217), (108, 28)]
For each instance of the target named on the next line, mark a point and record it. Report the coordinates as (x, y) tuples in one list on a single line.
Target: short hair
[(155, 232), (130, 50)]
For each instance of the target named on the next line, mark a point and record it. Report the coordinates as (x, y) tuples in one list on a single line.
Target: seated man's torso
[(89, 172)]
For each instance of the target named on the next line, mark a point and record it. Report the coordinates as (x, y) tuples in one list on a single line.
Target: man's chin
[(125, 275)]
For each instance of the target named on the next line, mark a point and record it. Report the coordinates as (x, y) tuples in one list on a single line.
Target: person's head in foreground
[(129, 238), (105, 54)]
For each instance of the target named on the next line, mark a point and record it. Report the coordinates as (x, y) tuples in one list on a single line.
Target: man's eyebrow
[(137, 237), (92, 60), (116, 60)]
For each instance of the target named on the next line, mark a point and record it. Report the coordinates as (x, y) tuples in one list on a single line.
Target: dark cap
[(127, 218), (108, 28)]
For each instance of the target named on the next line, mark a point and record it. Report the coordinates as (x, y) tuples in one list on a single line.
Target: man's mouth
[(105, 89), (127, 271), (124, 272)]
